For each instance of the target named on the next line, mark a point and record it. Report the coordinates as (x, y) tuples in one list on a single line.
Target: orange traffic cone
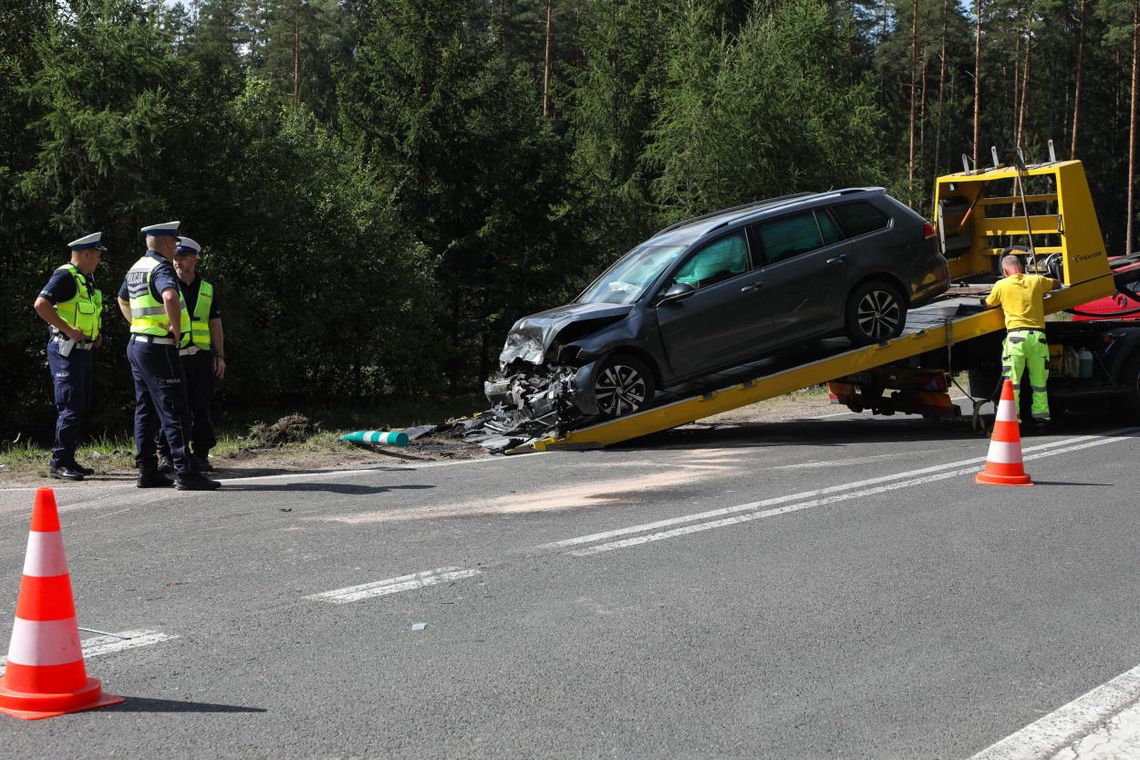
[(1003, 463), (46, 676)]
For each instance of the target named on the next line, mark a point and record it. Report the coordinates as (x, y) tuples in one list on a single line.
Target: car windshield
[(628, 278)]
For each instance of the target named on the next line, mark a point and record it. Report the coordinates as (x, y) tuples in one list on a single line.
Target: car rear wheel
[(623, 385), (875, 312)]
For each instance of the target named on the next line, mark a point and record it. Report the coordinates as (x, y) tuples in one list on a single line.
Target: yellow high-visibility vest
[(84, 310), (200, 319), (148, 315)]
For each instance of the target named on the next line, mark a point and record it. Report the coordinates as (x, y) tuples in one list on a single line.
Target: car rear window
[(787, 237), (859, 218)]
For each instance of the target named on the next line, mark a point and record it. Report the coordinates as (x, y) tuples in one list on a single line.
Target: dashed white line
[(393, 585), (702, 521), (1103, 723), (100, 645)]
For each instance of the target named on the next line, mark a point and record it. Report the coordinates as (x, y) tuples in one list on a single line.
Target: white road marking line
[(1103, 723), (751, 506), (844, 494), (393, 585), (100, 645)]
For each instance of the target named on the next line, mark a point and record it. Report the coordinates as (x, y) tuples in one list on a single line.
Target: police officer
[(73, 308), (204, 360), (151, 299)]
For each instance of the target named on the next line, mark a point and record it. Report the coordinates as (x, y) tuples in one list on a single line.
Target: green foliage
[(380, 194), (761, 114)]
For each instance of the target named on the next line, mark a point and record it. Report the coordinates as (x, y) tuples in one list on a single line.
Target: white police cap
[(94, 240), (166, 228), (188, 246)]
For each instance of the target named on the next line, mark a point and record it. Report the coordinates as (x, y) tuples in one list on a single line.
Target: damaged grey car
[(720, 291)]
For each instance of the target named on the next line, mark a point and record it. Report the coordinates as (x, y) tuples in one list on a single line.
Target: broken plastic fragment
[(419, 626)]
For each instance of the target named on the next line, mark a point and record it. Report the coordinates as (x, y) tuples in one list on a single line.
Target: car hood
[(531, 336)]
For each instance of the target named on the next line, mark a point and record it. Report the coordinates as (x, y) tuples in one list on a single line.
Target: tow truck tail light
[(928, 231)]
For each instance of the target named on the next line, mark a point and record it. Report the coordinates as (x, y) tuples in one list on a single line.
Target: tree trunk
[(922, 77), (941, 86), (913, 74), (549, 61), (1132, 125), (1077, 87), (977, 81), (1024, 81), (296, 58)]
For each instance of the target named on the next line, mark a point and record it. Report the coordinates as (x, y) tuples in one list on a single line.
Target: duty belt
[(155, 339), (82, 345), (1026, 329)]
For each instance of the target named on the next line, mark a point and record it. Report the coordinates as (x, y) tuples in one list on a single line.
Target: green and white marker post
[(389, 437)]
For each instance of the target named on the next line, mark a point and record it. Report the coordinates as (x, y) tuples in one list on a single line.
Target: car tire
[(875, 312), (623, 385)]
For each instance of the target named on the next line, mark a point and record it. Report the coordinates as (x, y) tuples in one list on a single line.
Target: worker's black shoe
[(80, 468), (204, 463), (165, 466), (66, 472), (153, 479), (195, 482)]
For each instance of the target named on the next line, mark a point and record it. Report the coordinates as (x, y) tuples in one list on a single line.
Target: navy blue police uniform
[(201, 383), (72, 376), (160, 383)]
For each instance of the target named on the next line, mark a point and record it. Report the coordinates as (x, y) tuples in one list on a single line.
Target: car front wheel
[(623, 385), (875, 312)]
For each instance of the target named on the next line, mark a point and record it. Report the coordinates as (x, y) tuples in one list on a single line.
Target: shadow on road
[(346, 489), (145, 704)]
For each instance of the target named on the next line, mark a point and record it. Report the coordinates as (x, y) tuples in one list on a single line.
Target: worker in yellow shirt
[(1022, 297)]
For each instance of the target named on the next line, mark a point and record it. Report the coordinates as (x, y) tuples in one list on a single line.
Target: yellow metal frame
[(1086, 277), (1074, 222)]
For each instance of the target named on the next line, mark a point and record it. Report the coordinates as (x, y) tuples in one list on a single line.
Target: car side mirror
[(678, 291)]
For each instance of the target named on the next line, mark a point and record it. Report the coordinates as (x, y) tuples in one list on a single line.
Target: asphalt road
[(834, 588)]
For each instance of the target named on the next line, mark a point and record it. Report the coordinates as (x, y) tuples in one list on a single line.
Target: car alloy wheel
[(875, 312), (623, 386)]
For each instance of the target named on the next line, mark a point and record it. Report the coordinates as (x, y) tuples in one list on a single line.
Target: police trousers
[(71, 378), (1027, 350), (160, 404)]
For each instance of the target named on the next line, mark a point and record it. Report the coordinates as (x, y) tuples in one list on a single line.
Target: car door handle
[(837, 259), (754, 287)]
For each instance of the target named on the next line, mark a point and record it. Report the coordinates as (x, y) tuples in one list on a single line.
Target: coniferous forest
[(382, 187)]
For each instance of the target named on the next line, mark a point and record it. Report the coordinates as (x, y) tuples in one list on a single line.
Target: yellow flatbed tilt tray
[(1061, 221)]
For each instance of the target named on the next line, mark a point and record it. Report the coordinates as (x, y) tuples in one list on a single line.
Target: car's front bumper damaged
[(530, 402)]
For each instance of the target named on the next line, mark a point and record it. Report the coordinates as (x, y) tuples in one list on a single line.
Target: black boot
[(195, 481), (165, 466), (149, 478), (80, 468), (203, 461)]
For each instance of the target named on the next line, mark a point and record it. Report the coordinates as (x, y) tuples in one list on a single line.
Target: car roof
[(692, 229)]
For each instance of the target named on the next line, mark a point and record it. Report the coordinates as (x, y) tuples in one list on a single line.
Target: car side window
[(717, 261), (787, 237), (831, 233), (859, 218)]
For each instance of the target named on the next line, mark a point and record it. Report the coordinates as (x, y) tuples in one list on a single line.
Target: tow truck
[(1048, 208)]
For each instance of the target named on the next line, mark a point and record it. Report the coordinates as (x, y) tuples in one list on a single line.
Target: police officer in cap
[(151, 299), (204, 360), (73, 308)]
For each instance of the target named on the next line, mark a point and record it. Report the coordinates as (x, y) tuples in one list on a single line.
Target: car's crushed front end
[(546, 374)]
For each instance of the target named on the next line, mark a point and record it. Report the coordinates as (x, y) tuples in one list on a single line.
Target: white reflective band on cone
[(1002, 452), (44, 642), (45, 555), (1005, 412)]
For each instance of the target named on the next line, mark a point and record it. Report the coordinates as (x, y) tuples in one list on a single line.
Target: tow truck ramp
[(975, 211)]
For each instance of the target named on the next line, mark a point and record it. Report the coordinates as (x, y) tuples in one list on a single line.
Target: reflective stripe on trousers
[(1027, 351)]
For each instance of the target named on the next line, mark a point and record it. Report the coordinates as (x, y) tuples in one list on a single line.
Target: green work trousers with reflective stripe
[(1027, 349)]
